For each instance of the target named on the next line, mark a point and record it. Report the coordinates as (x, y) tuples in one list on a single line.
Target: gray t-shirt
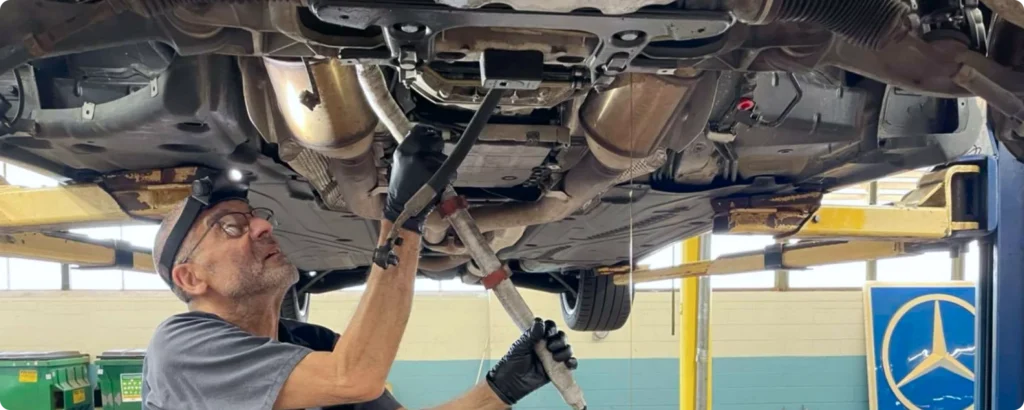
[(198, 361)]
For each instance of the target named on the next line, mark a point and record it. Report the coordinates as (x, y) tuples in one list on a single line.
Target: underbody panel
[(628, 119)]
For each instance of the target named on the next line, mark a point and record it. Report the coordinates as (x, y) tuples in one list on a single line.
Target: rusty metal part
[(500, 239), (605, 6), (629, 121), (468, 94), (928, 212), (341, 125), (356, 179), (118, 198)]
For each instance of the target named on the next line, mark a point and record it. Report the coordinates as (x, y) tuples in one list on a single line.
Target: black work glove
[(520, 372), (414, 162)]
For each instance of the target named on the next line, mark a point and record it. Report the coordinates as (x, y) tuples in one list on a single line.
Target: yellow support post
[(688, 323), (695, 339)]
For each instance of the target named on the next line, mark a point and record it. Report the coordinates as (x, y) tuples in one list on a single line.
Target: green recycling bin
[(119, 373), (45, 381)]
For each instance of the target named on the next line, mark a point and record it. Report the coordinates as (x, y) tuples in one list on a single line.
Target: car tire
[(600, 304), (295, 306)]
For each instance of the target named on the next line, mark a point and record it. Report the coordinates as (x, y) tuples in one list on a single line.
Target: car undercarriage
[(629, 119)]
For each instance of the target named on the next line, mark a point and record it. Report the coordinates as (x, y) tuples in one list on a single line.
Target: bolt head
[(628, 36), (409, 28)]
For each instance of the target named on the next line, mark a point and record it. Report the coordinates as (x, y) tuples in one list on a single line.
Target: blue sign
[(920, 345)]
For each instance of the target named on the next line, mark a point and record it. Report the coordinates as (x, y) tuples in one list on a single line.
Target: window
[(731, 244), (456, 285), (928, 267), (841, 275), (141, 236), (666, 257), (143, 281), (16, 175), (33, 275), (972, 260), (4, 277)]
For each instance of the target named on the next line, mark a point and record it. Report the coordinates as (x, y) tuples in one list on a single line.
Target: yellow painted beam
[(119, 198), (924, 214), (850, 222), (794, 257), (56, 208), (73, 251)]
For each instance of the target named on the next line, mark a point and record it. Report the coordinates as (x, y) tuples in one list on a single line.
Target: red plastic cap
[(745, 104)]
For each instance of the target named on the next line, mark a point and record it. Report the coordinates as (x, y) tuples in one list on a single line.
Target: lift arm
[(76, 250), (950, 206), (116, 198)]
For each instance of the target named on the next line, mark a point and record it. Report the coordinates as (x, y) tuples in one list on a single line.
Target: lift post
[(999, 333)]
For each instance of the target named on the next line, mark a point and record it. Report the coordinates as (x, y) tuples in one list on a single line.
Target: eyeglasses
[(234, 225)]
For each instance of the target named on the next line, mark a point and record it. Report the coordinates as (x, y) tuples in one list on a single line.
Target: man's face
[(239, 256)]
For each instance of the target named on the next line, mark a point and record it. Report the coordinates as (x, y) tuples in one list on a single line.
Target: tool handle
[(560, 375)]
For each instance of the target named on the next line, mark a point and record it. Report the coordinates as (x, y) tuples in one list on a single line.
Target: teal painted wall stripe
[(740, 383), (774, 383), (605, 382)]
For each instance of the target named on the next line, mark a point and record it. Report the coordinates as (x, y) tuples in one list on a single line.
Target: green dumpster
[(45, 381), (119, 373)]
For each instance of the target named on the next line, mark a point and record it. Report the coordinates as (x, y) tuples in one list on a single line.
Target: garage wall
[(452, 340), (771, 349), (792, 350)]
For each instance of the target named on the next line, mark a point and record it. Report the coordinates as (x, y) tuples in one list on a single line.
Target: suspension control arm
[(453, 208)]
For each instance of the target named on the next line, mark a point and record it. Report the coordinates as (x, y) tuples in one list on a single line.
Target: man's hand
[(520, 372), (417, 159)]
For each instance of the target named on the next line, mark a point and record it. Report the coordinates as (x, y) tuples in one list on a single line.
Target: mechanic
[(231, 350)]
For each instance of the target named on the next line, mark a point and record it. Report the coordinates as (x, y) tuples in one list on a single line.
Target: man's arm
[(357, 368), (518, 373), (480, 397)]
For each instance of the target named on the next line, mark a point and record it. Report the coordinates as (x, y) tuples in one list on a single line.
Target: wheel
[(599, 304), (295, 306)]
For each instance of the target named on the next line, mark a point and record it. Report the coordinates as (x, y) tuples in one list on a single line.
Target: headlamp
[(206, 192)]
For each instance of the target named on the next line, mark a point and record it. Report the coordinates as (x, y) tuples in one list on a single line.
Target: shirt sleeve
[(197, 361)]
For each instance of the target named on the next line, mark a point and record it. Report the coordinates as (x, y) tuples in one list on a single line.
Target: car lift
[(951, 206)]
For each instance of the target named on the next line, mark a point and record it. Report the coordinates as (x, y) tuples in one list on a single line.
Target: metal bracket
[(119, 197), (88, 111)]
